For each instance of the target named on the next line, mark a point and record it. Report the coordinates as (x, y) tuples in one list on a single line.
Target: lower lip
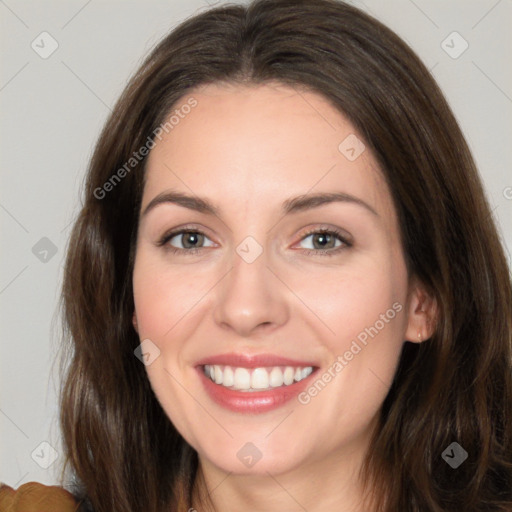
[(254, 402)]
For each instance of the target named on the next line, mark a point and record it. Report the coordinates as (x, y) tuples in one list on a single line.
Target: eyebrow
[(292, 205)]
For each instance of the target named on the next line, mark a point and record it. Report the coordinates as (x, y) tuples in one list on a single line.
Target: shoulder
[(36, 497)]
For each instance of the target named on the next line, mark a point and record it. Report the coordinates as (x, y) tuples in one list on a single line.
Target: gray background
[(52, 112)]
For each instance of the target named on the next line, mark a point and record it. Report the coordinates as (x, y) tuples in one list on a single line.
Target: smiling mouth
[(256, 379)]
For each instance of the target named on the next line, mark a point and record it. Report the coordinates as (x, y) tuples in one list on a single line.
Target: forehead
[(242, 143)]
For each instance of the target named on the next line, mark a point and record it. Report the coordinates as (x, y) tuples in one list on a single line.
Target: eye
[(323, 242), (189, 240)]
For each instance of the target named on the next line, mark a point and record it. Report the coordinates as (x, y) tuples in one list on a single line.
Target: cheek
[(354, 302), (164, 296), (367, 313), (364, 311), (164, 300), (152, 297), (363, 308)]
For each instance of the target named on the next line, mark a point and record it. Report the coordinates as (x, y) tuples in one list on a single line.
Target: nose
[(251, 299)]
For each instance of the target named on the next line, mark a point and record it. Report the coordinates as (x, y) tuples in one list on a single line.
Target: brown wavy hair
[(121, 448)]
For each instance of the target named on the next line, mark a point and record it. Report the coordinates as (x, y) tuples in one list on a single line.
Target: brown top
[(36, 497)]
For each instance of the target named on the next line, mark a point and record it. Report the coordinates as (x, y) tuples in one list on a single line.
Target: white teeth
[(259, 379), (288, 375), (217, 375), (306, 372), (242, 378), (276, 377), (245, 379), (229, 378)]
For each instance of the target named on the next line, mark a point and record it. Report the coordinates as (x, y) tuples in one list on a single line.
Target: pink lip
[(253, 361), (253, 402)]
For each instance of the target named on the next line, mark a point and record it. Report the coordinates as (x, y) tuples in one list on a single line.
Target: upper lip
[(253, 361)]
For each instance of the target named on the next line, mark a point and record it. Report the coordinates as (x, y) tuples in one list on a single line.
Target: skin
[(247, 149)]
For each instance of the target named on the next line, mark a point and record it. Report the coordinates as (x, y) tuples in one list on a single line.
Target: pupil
[(190, 236), (324, 237)]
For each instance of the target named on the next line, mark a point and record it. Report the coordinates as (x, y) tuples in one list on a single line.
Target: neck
[(331, 482)]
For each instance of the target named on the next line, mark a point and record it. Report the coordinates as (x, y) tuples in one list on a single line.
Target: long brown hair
[(455, 387)]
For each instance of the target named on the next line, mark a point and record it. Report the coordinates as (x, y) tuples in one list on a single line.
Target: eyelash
[(326, 252)]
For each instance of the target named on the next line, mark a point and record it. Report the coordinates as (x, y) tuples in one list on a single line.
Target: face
[(307, 303)]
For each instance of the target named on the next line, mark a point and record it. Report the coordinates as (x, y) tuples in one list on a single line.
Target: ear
[(422, 314), (134, 321)]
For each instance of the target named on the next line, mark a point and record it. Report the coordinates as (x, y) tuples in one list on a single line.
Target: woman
[(284, 289)]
